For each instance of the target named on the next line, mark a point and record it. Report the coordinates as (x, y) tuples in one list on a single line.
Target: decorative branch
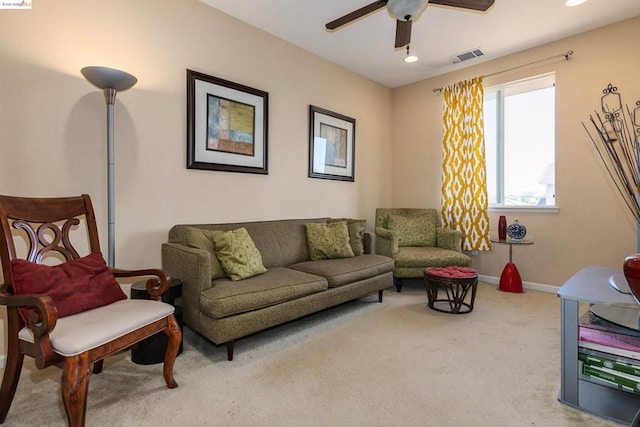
[(616, 137)]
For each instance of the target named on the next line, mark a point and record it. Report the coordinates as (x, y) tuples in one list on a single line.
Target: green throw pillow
[(356, 229), (328, 240), (238, 254), (419, 230)]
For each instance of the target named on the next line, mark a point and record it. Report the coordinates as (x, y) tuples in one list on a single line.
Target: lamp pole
[(110, 81)]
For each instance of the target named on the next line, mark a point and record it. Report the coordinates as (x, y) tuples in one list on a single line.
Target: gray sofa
[(293, 286)]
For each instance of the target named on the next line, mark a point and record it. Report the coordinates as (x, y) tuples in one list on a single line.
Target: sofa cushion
[(328, 240), (238, 254), (414, 230), (277, 285), (356, 229), (423, 257), (202, 238), (280, 242), (339, 272)]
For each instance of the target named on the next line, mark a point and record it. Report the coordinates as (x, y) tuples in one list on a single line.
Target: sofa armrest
[(193, 267), (386, 242), (449, 239)]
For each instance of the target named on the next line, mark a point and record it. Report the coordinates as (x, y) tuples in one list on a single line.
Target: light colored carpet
[(361, 364)]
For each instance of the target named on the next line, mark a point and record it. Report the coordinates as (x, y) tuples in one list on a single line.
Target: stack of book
[(612, 372), (609, 354)]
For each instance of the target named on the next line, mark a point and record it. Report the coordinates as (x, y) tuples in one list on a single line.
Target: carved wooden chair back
[(43, 226), (47, 224), (50, 231)]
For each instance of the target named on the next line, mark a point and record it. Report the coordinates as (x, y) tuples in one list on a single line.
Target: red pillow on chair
[(74, 286)]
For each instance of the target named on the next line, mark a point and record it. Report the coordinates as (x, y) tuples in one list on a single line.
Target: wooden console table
[(590, 285)]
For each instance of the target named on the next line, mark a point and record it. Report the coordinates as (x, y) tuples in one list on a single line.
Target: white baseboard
[(526, 285)]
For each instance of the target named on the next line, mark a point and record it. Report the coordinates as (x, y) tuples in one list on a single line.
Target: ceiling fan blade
[(403, 33), (481, 5), (356, 14)]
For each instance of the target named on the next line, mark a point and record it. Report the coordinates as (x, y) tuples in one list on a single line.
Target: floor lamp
[(110, 81)]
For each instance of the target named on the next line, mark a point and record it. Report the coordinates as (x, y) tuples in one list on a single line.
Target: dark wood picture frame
[(332, 148), (227, 125)]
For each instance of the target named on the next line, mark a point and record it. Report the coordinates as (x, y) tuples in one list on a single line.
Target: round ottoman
[(453, 283)]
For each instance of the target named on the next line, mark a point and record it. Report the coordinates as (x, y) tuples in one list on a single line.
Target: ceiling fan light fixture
[(410, 58), (406, 9)]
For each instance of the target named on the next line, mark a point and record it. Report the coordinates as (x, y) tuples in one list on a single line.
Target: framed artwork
[(226, 125), (331, 145)]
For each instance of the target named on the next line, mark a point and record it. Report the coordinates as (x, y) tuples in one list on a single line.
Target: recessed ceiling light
[(575, 2)]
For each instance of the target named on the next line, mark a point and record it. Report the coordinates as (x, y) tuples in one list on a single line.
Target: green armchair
[(415, 239)]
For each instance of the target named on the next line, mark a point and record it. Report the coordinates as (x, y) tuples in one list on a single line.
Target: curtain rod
[(565, 55)]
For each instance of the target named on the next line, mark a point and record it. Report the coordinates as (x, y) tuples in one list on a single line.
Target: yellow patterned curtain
[(464, 186)]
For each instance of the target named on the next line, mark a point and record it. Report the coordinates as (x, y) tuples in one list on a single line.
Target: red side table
[(510, 280)]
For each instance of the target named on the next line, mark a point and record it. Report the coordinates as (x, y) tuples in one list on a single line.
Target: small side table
[(510, 280), (151, 350)]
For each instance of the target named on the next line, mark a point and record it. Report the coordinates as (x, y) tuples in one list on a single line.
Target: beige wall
[(53, 122), (593, 226), (53, 131)]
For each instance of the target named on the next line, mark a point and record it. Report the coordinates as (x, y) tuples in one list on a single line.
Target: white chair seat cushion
[(84, 331)]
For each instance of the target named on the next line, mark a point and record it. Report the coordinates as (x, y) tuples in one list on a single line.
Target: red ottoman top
[(452, 272)]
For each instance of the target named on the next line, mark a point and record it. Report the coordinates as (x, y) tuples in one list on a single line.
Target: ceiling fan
[(405, 12)]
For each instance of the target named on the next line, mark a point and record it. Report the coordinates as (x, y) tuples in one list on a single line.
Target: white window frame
[(500, 91)]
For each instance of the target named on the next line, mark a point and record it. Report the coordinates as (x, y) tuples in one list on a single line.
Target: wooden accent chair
[(37, 324)]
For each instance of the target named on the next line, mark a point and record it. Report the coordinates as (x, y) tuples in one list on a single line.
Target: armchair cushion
[(90, 329), (238, 254), (421, 256), (414, 230), (74, 286)]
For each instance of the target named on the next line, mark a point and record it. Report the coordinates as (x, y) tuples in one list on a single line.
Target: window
[(519, 130)]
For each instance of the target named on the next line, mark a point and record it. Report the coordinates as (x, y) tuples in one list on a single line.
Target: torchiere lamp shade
[(105, 77)]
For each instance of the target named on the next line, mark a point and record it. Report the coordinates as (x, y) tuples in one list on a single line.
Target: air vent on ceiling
[(467, 55)]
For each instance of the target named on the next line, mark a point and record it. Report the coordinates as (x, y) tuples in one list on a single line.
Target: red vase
[(502, 228), (631, 269)]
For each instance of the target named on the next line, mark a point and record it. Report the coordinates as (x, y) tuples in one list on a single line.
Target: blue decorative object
[(516, 231)]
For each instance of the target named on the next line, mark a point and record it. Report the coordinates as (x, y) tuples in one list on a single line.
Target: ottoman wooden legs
[(453, 285)]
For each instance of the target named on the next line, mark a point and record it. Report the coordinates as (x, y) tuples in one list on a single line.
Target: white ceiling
[(367, 45)]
